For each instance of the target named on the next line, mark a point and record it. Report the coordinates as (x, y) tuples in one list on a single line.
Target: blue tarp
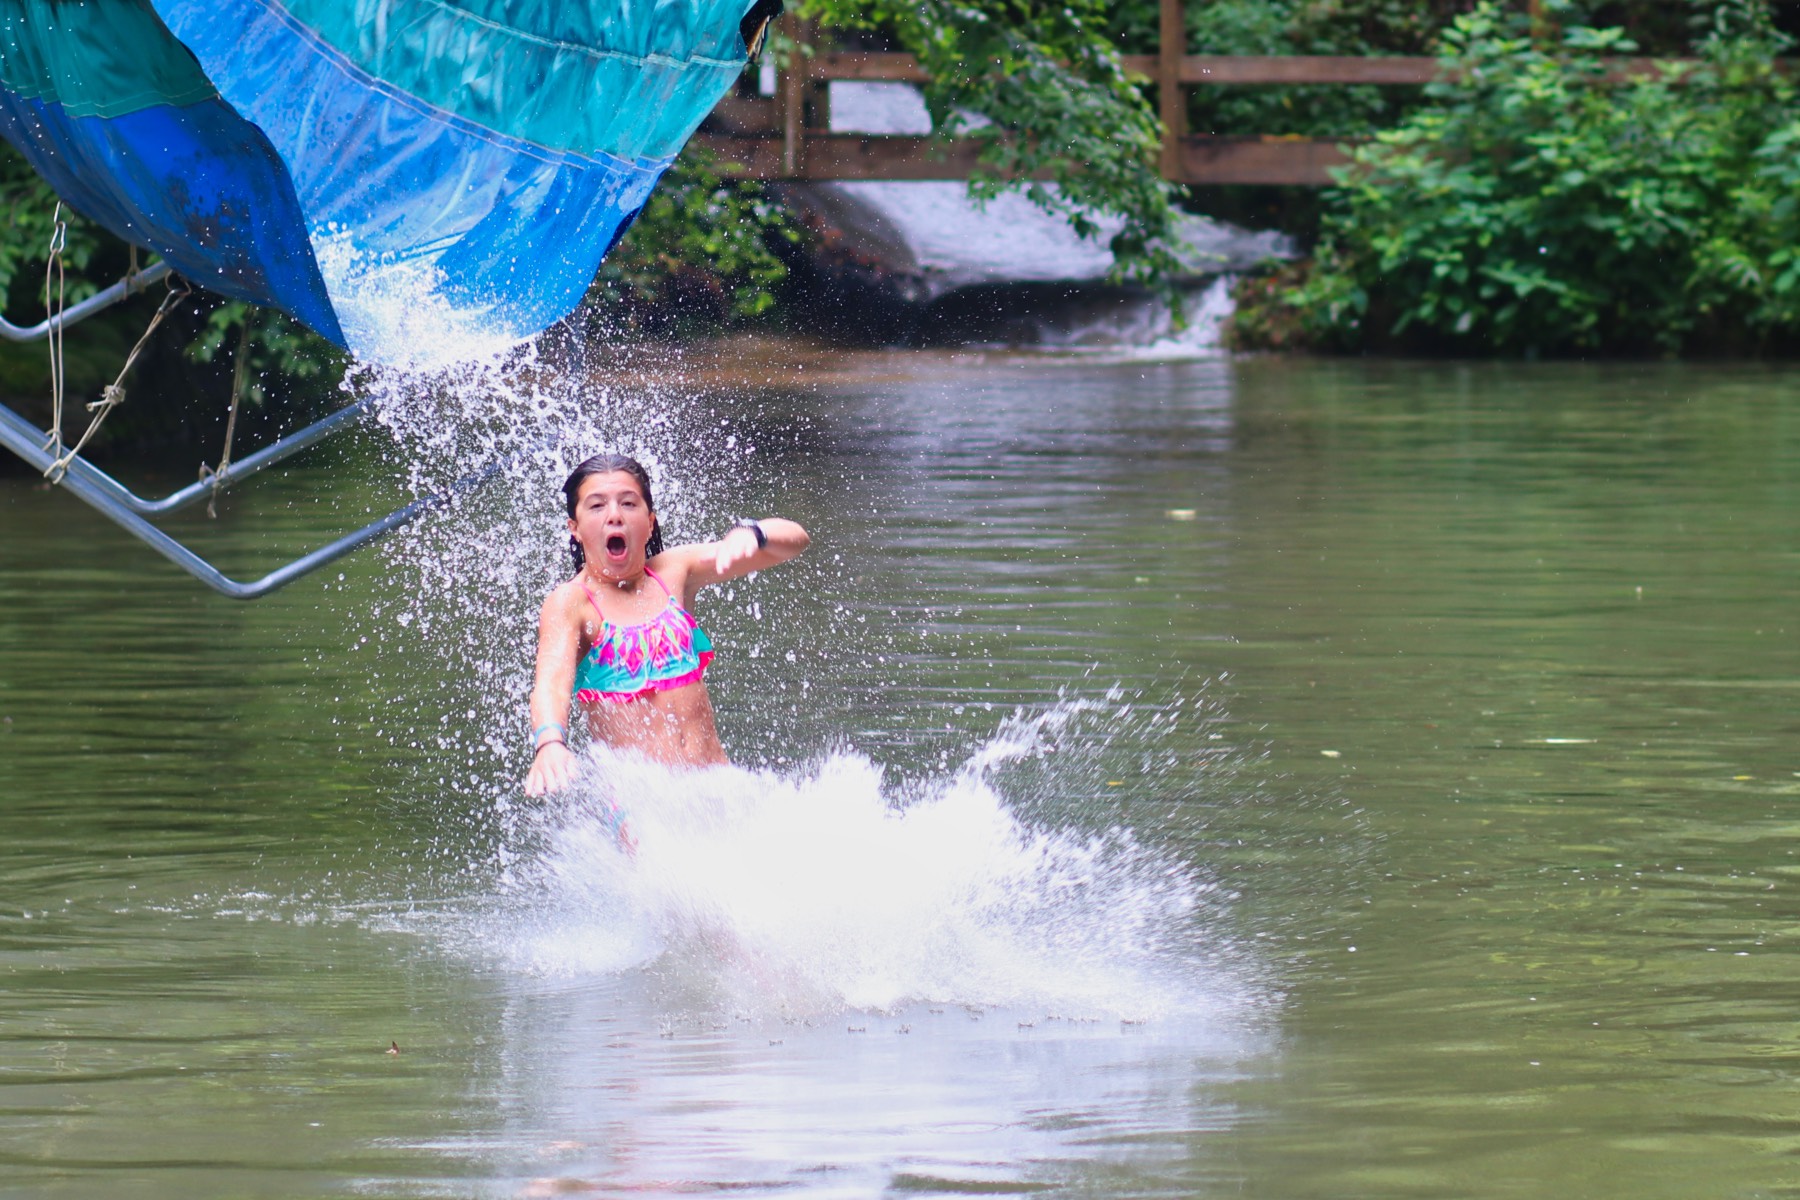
[(503, 143)]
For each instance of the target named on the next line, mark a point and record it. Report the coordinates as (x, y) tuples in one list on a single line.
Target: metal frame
[(128, 510), (87, 308), (193, 493), (118, 504)]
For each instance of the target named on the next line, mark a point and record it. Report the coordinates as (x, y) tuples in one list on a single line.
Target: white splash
[(822, 889), (394, 311), (1204, 313)]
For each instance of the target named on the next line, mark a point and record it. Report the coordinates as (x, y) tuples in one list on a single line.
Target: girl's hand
[(738, 552), (551, 770), (738, 545)]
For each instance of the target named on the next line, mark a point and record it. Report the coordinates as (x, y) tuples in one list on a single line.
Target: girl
[(618, 638)]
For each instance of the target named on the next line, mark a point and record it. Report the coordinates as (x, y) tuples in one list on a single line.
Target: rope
[(53, 265), (113, 394), (240, 371)]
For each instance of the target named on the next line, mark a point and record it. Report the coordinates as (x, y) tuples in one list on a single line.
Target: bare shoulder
[(675, 566), (562, 605)]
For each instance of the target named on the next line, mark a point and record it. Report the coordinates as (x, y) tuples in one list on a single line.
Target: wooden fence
[(787, 135)]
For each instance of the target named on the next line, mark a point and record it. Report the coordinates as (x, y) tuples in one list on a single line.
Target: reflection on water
[(1410, 747), (937, 1099)]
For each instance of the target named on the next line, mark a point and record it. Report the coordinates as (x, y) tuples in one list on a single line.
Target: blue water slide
[(504, 144), (121, 121), (501, 145)]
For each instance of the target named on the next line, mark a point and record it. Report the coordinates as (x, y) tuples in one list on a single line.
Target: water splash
[(779, 890), (395, 311), (1120, 324), (1204, 313), (824, 888)]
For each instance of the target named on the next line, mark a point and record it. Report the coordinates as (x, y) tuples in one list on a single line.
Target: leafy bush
[(1346, 27), (27, 216), (703, 242), (1537, 206)]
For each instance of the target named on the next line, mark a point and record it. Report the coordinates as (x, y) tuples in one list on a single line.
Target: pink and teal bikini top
[(627, 662)]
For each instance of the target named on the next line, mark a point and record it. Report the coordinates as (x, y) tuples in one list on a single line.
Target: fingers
[(734, 548), (552, 771)]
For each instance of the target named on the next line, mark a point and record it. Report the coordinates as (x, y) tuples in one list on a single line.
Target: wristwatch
[(762, 539)]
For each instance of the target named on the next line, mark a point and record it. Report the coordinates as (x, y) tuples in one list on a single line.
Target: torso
[(674, 727), (670, 724)]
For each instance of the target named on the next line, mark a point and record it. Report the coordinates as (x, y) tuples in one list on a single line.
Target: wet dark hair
[(606, 464)]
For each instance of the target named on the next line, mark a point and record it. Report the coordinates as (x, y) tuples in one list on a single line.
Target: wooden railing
[(787, 135)]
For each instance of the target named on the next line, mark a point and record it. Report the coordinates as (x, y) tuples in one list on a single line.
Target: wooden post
[(1540, 23), (818, 103), (790, 104), (1170, 101)]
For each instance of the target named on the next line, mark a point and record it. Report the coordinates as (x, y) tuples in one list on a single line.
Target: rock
[(930, 238), (885, 254)]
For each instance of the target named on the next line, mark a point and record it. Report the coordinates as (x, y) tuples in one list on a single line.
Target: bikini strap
[(667, 590), (590, 595)]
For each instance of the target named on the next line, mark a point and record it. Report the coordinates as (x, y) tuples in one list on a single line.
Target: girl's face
[(612, 523)]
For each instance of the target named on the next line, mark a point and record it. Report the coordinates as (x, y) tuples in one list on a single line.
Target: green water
[(1491, 745)]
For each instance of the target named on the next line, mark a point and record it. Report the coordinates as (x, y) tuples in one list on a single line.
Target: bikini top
[(627, 662)]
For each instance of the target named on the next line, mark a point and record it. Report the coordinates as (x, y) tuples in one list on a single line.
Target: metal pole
[(23, 439), (87, 308), (193, 493)]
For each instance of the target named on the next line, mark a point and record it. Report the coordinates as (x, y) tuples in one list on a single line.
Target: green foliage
[(1343, 27), (1263, 317), (702, 236), (1534, 206), (27, 208), (279, 346), (1352, 28), (1054, 101)]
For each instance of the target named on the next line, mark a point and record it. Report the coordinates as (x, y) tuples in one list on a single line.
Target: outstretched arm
[(740, 551), (559, 640)]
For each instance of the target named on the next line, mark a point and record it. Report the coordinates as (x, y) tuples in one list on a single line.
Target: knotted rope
[(53, 267), (240, 371), (113, 394)]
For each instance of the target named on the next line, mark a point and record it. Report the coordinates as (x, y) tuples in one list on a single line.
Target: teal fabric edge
[(638, 93), (494, 137), (118, 106), (96, 60)]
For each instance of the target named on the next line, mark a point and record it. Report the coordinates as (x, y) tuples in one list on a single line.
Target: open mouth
[(615, 545)]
